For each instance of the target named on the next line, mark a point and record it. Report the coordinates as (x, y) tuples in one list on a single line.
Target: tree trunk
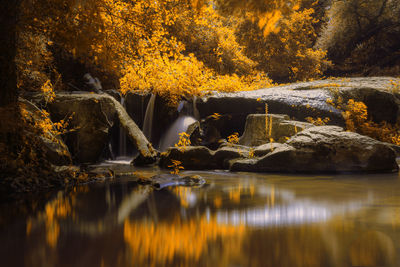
[(8, 76)]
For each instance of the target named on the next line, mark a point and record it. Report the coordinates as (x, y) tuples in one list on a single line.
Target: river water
[(236, 219)]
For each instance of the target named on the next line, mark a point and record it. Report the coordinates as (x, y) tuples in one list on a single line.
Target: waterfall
[(122, 136), (172, 136), (187, 115), (196, 113), (148, 118)]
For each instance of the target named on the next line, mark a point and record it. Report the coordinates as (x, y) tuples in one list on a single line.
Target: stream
[(236, 219)]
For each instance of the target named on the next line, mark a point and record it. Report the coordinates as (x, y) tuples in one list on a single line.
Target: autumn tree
[(172, 47), (9, 112), (285, 52), (362, 35), (8, 78)]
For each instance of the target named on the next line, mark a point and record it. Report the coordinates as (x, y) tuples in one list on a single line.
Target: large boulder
[(261, 128), (324, 149), (202, 158), (53, 146), (192, 158), (92, 116), (306, 99), (264, 149)]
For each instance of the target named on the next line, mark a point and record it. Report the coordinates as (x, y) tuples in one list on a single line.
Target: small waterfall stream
[(122, 151), (172, 136), (188, 114), (148, 118)]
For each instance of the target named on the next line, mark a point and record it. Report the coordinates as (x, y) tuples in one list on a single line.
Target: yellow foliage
[(233, 139), (184, 141), (216, 116), (356, 117), (318, 121), (176, 165), (146, 44), (174, 48), (394, 86), (48, 91), (251, 153), (33, 61), (285, 50)]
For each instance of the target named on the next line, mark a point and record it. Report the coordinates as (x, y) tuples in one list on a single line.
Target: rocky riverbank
[(288, 144)]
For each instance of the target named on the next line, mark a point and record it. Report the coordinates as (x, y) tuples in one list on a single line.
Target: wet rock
[(324, 149), (261, 128), (92, 117), (192, 158), (307, 99), (226, 153), (202, 158), (396, 149), (114, 93), (194, 133), (167, 180), (56, 151), (264, 149), (216, 127)]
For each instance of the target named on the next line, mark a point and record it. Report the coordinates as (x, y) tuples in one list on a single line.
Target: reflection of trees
[(302, 246), (178, 242), (130, 225)]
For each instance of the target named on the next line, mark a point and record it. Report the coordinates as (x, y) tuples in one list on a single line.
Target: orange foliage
[(356, 117), (162, 46), (285, 52)]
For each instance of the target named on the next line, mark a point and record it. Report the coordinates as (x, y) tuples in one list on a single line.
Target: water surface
[(237, 219)]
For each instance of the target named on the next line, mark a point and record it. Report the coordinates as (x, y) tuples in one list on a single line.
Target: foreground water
[(237, 219)]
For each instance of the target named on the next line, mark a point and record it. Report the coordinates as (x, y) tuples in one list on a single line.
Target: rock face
[(324, 149), (92, 117), (264, 149), (53, 146), (202, 158), (260, 128), (306, 99)]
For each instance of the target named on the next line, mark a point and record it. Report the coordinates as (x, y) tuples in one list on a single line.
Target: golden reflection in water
[(59, 208), (187, 240), (184, 194), (372, 248), (217, 201), (235, 193), (272, 197), (202, 238), (55, 210)]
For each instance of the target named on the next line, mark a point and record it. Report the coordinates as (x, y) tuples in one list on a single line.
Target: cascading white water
[(172, 136), (122, 136), (181, 124), (148, 118)]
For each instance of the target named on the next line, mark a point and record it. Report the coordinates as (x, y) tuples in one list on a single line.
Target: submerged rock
[(324, 149), (161, 181)]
